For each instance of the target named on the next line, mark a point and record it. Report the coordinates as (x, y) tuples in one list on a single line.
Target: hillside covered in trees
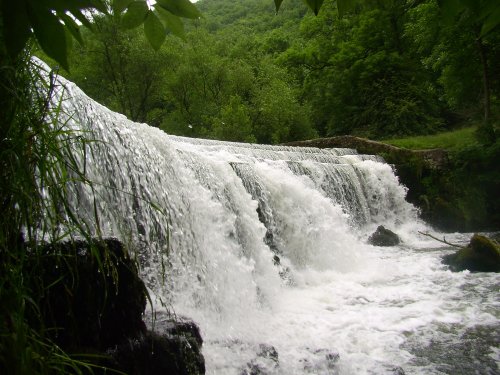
[(246, 73), (382, 69)]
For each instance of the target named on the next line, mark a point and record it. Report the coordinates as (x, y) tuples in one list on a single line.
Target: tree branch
[(443, 240)]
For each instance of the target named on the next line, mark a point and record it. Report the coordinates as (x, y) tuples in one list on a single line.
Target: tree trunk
[(486, 80)]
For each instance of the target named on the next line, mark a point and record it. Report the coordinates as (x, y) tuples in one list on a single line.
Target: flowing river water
[(265, 247)]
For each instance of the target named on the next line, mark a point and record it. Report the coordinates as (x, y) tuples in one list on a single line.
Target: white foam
[(190, 208)]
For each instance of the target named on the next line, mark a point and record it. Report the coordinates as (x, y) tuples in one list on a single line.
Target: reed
[(37, 169)]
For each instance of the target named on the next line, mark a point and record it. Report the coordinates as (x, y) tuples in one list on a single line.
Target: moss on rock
[(481, 255)]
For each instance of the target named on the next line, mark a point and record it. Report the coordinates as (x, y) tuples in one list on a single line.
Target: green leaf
[(180, 8), (173, 23), (491, 22), (345, 6), (315, 5), (81, 17), (120, 5), (154, 30), (135, 15), (50, 34), (69, 42), (450, 9), (278, 4), (16, 26), (73, 5), (72, 27), (100, 5)]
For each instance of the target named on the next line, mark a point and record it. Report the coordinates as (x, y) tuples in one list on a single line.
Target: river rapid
[(265, 248)]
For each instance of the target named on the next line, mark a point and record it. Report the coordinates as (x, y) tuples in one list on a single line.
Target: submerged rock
[(158, 354), (384, 237), (481, 255), (268, 351), (266, 360)]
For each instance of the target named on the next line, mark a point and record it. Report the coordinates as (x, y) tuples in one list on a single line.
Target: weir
[(265, 246)]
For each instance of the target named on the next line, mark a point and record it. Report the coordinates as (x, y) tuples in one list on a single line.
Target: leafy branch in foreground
[(55, 23)]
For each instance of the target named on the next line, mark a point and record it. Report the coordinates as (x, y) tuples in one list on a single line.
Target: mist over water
[(265, 248)]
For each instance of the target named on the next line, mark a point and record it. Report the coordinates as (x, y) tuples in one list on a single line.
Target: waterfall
[(265, 247)]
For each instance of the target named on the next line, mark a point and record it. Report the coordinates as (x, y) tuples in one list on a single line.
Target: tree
[(445, 43), (234, 123), (481, 17), (54, 25), (358, 75), (130, 72), (277, 114)]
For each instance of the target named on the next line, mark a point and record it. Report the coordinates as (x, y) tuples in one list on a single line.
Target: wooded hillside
[(244, 73)]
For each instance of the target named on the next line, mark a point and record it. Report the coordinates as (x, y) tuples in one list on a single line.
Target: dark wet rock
[(86, 303), (284, 272), (92, 300), (180, 326), (323, 361), (398, 371), (268, 351), (266, 361), (470, 353), (276, 260), (384, 237), (253, 369), (331, 357), (158, 354), (482, 254)]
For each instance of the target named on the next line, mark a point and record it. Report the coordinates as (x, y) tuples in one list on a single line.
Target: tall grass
[(36, 168), (452, 140)]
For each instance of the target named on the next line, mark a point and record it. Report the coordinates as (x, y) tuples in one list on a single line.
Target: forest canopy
[(272, 72)]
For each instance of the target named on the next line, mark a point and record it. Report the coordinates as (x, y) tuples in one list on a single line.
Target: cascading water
[(265, 248)]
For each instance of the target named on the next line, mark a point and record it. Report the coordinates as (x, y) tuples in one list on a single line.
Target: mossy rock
[(384, 237), (481, 255)]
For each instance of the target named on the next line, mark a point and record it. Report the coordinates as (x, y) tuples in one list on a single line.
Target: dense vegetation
[(462, 195), (243, 73), (387, 68), (37, 169)]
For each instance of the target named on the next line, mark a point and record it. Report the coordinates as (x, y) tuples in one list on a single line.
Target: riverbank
[(455, 188)]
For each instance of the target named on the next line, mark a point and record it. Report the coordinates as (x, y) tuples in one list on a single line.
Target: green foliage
[(129, 71), (53, 22), (443, 48), (358, 77), (343, 6), (462, 194), (451, 140), (154, 31), (476, 194), (234, 123), (135, 14), (36, 171), (385, 69)]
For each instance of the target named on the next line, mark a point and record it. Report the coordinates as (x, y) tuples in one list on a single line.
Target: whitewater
[(265, 248)]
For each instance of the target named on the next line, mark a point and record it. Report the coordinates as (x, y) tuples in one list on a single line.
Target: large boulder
[(159, 354), (92, 300), (481, 255), (384, 237), (91, 295)]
